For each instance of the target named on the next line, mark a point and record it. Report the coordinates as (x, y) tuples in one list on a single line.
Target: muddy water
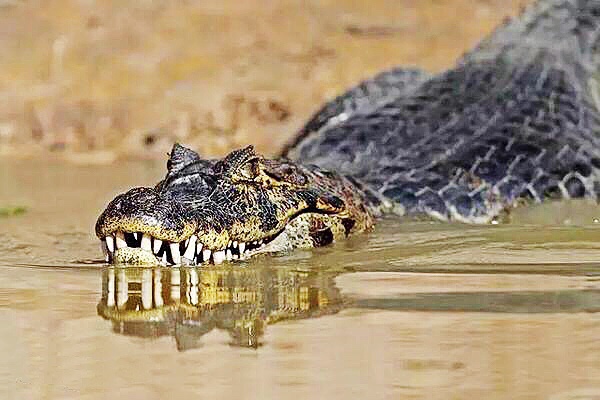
[(414, 310)]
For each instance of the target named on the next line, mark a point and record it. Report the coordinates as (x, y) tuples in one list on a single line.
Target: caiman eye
[(249, 170)]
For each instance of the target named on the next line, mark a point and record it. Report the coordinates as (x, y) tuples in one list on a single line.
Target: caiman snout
[(144, 219)]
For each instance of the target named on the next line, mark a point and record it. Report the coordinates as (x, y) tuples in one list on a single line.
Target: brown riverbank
[(96, 80)]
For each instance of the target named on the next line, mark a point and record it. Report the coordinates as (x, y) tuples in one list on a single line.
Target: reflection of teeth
[(121, 243), (110, 243), (175, 253), (146, 242), (104, 250), (157, 245), (218, 257)]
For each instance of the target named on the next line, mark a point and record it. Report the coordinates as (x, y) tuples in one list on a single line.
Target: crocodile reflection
[(187, 303)]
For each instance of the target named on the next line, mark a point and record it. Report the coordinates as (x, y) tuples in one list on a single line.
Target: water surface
[(413, 310)]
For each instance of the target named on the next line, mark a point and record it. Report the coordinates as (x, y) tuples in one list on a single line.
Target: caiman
[(517, 118)]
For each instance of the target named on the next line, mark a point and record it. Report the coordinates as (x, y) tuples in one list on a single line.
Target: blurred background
[(92, 81)]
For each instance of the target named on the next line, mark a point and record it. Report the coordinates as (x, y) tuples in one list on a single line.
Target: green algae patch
[(11, 211)]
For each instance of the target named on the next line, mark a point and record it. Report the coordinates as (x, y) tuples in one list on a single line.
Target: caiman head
[(214, 210)]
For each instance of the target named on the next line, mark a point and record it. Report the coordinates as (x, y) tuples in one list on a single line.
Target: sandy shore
[(96, 80)]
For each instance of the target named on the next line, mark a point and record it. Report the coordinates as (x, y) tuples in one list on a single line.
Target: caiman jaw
[(141, 248)]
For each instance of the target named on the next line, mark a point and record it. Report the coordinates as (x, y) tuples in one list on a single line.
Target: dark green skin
[(517, 118)]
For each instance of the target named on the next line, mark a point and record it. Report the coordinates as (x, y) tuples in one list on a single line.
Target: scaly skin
[(517, 118), (244, 198)]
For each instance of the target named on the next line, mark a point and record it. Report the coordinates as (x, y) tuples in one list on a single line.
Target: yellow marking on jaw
[(246, 231), (134, 256), (213, 240)]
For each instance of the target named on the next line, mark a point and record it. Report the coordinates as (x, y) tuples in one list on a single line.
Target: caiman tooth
[(121, 243), (146, 242), (235, 244), (164, 259), (175, 253), (157, 245), (190, 251), (136, 235), (104, 250), (218, 256), (242, 246), (110, 243), (206, 254)]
